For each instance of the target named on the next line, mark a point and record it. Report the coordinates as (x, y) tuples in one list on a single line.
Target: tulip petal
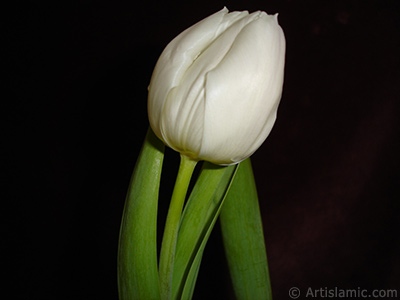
[(243, 93), (183, 113), (175, 60)]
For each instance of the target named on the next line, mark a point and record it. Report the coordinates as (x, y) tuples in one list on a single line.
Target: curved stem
[(170, 236)]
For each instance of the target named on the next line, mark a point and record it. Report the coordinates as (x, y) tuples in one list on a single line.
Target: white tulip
[(215, 90)]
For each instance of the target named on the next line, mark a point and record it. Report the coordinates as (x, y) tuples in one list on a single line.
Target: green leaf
[(137, 250), (197, 222), (243, 238), (190, 282)]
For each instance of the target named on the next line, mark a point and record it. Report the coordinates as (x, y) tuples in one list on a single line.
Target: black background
[(75, 111)]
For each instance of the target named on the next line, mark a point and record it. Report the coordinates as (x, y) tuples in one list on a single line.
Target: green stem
[(170, 236)]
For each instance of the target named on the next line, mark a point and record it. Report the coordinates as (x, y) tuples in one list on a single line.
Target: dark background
[(75, 111)]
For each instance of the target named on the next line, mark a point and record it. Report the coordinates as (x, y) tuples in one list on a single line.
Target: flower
[(216, 87)]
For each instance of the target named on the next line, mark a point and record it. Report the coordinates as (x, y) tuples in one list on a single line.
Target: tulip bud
[(215, 90)]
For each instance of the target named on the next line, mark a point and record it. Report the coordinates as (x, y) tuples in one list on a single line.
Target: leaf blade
[(198, 220), (243, 238), (137, 249)]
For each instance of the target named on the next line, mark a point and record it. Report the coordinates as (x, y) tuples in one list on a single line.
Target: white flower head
[(216, 87)]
